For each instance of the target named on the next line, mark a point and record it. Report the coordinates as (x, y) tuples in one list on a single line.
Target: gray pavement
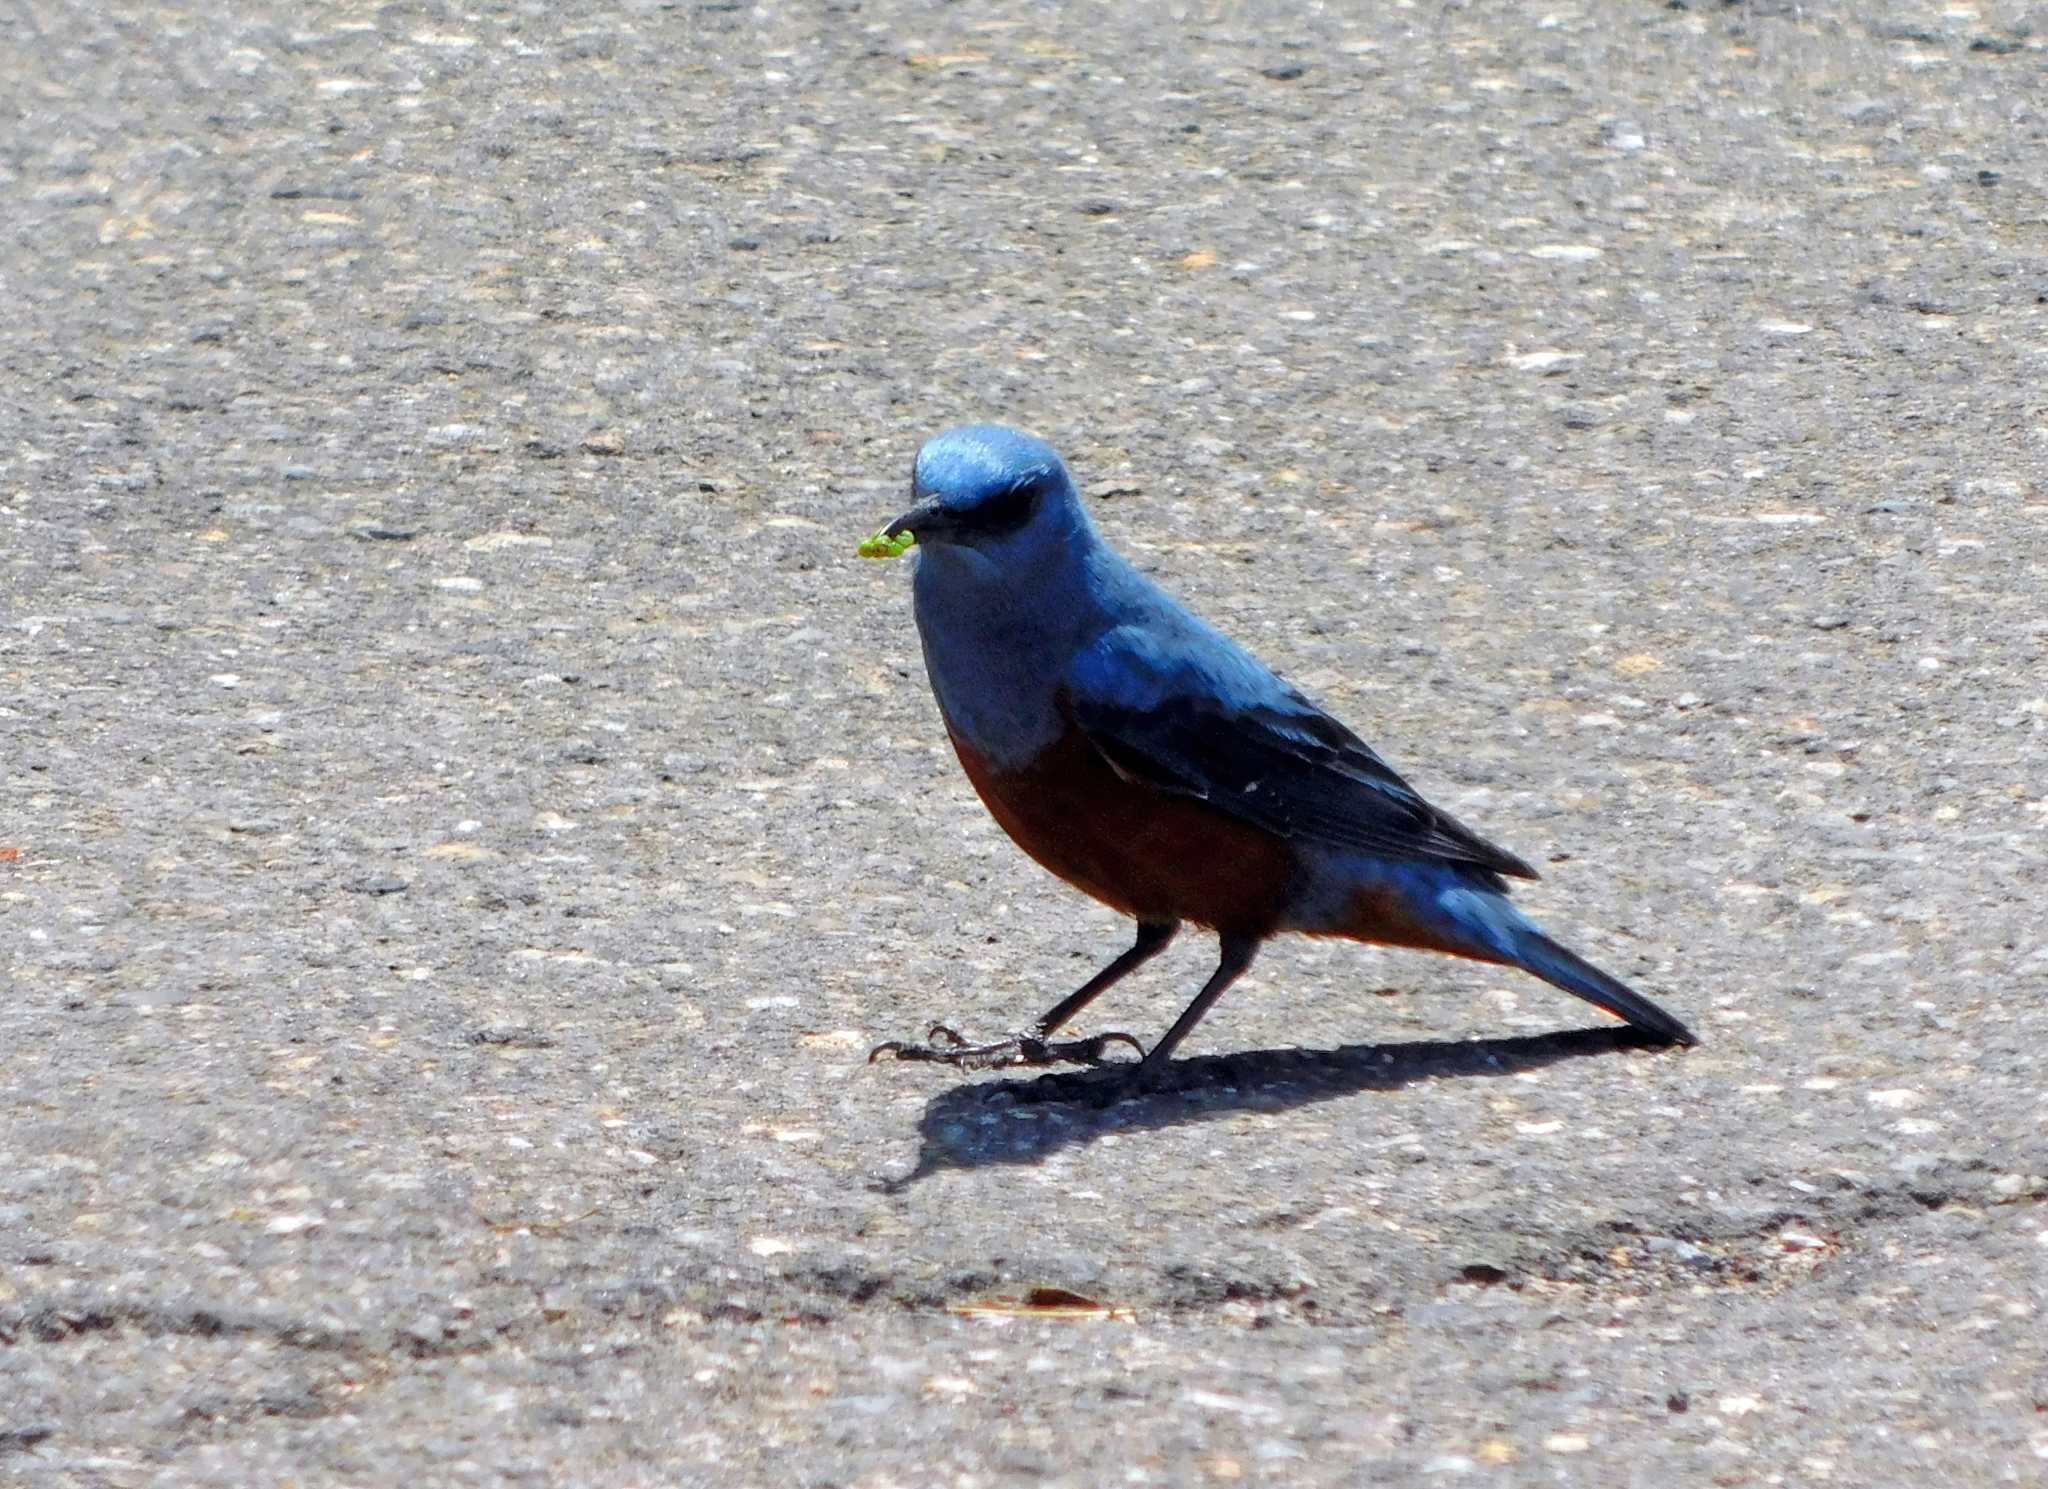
[(465, 812)]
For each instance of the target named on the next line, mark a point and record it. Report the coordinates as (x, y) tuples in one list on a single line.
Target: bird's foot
[(945, 1046)]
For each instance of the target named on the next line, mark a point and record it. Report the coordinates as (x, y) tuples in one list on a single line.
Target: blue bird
[(1150, 761)]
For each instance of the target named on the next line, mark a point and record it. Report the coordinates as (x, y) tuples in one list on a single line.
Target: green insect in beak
[(879, 546)]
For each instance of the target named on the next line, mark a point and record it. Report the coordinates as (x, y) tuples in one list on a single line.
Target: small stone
[(1683, 1251), (512, 1036), (451, 852), (491, 542), (832, 1039)]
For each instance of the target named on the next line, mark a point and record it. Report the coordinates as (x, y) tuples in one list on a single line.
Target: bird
[(1153, 763)]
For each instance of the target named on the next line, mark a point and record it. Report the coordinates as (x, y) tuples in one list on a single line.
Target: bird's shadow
[(980, 1123)]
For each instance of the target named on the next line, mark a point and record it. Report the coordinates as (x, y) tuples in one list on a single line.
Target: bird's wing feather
[(1193, 714)]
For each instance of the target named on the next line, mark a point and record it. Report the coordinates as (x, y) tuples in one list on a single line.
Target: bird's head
[(990, 492)]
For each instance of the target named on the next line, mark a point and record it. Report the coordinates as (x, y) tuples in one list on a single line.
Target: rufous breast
[(1143, 851)]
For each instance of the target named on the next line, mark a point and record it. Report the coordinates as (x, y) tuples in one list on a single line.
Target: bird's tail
[(1441, 908), (1562, 967)]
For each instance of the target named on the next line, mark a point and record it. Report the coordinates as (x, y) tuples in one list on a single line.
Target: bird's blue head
[(991, 490)]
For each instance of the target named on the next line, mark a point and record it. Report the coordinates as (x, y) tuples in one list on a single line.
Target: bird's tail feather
[(1469, 919), (1561, 967)]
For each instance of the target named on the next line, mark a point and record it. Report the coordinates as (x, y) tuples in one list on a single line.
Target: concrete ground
[(465, 812)]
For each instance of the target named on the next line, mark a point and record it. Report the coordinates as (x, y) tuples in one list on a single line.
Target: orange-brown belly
[(1139, 850)]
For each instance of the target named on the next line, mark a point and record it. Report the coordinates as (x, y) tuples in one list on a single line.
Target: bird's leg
[(944, 1046), (1237, 954), (1152, 938)]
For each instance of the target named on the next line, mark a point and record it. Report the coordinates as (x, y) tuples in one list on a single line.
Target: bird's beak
[(926, 519)]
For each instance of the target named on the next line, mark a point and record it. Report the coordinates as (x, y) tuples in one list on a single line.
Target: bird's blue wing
[(1193, 714)]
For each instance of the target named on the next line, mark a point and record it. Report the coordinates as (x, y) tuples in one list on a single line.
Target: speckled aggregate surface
[(465, 812)]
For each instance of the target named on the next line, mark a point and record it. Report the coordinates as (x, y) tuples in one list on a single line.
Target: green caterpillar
[(879, 546)]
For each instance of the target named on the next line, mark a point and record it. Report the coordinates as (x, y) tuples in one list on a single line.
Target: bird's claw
[(946, 1046)]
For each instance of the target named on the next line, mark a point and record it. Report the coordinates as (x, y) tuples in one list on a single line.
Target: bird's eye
[(1005, 511)]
